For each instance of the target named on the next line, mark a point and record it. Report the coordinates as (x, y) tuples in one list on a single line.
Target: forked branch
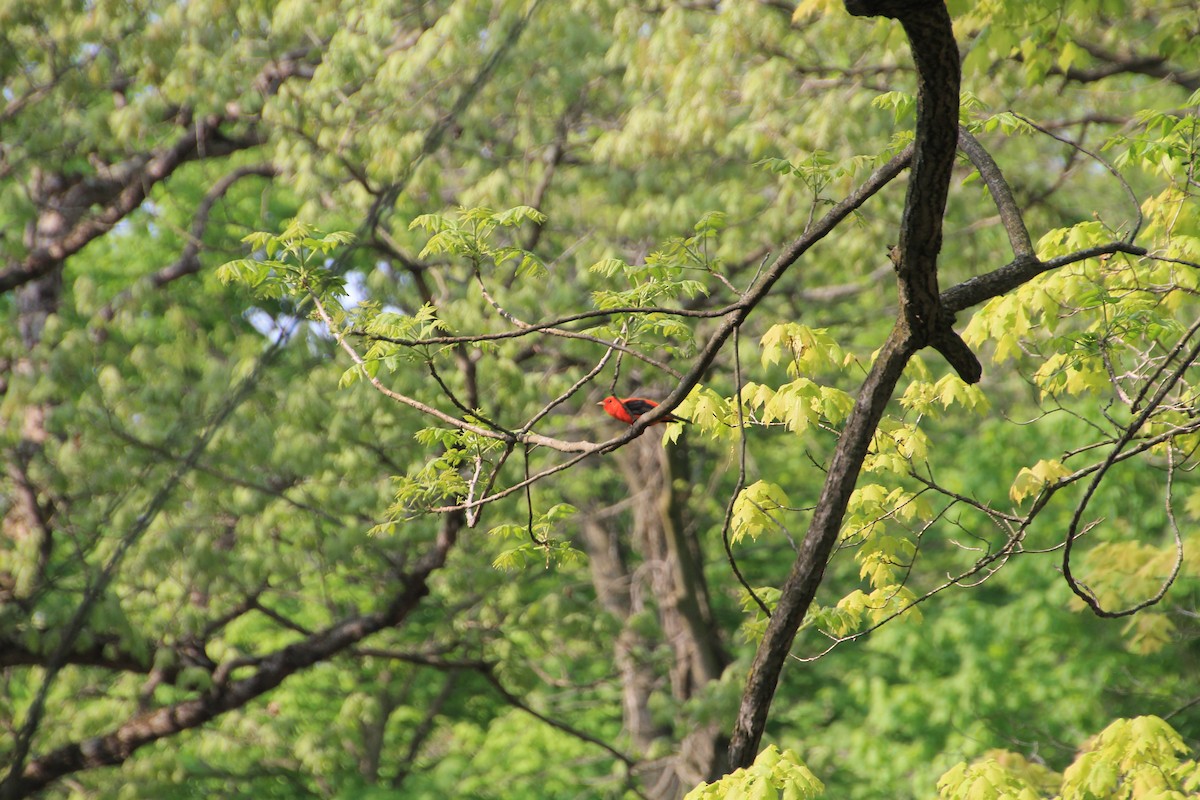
[(921, 322)]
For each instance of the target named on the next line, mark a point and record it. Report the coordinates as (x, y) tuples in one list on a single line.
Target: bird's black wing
[(636, 406)]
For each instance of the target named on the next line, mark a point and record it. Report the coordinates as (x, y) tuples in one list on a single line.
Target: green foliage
[(902, 104), (774, 775), (1032, 480), (662, 277), (468, 235), (1131, 759), (992, 778), (545, 542), (755, 508), (298, 271)]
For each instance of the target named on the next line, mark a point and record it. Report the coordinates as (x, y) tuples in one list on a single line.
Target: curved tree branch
[(189, 260), (1082, 592), (11, 785), (119, 744), (981, 288), (993, 178), (119, 192)]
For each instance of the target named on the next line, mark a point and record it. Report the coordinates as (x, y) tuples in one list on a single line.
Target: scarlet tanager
[(630, 408)]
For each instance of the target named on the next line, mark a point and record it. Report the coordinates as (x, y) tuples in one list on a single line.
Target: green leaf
[(519, 214), (1031, 480), (756, 510)]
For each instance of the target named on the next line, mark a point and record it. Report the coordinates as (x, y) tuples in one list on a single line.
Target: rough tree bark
[(921, 321), (700, 657), (616, 592), (30, 519)]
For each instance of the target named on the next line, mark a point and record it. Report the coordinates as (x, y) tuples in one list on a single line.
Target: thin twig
[(1112, 458), (1137, 207), (565, 334), (741, 480)]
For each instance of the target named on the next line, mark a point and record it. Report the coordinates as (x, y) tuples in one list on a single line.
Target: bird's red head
[(611, 405)]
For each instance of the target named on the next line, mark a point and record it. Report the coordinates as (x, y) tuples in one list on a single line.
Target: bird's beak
[(600, 403)]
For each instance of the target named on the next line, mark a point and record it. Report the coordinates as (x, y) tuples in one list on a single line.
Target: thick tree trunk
[(667, 580), (614, 588), (29, 521)]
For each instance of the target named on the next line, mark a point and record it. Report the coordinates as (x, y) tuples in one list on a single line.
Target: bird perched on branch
[(628, 409)]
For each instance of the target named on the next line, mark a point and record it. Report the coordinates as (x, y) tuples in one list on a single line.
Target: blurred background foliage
[(673, 148)]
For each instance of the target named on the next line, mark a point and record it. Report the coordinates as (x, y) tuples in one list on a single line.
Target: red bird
[(630, 408)]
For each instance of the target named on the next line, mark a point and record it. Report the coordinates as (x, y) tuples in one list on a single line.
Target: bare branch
[(1129, 193), (565, 334), (741, 480), (993, 178), (119, 193), (1113, 456), (1117, 64), (981, 288), (517, 702), (533, 438)]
